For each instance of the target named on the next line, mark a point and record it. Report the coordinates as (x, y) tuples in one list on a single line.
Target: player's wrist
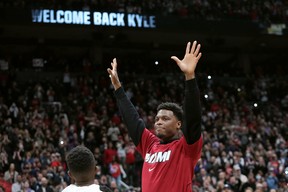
[(117, 86), (189, 76)]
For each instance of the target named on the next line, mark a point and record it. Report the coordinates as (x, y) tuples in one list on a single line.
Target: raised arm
[(131, 118), (191, 126)]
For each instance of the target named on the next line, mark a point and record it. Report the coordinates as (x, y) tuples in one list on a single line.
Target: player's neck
[(169, 140), (84, 183)]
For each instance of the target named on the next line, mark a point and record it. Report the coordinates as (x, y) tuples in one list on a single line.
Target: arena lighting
[(4, 65), (93, 18), (276, 29), (38, 62), (286, 171)]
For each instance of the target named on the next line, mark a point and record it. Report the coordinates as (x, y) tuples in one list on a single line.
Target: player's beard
[(159, 135)]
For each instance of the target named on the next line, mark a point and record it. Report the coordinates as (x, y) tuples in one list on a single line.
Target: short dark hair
[(80, 159), (174, 107)]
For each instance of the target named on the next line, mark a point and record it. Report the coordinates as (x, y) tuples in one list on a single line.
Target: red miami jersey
[(168, 167), (173, 163)]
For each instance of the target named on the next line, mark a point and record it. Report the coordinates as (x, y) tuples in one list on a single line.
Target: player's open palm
[(190, 60)]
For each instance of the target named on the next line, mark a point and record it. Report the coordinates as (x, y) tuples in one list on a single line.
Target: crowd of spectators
[(245, 129), (257, 10), (245, 120)]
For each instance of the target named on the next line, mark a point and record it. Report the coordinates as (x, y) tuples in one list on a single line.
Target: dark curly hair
[(174, 107), (80, 159)]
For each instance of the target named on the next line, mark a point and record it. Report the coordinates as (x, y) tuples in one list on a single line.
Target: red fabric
[(5, 185), (173, 162), (109, 154), (116, 119), (215, 107), (115, 170), (130, 158), (55, 164)]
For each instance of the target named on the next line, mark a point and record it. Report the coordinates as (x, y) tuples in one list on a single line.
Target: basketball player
[(171, 155)]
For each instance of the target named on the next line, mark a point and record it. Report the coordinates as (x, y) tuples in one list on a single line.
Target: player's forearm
[(192, 112), (131, 118)]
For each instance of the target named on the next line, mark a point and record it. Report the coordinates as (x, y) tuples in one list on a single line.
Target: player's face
[(166, 124)]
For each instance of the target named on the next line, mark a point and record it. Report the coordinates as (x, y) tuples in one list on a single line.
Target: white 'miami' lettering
[(157, 157)]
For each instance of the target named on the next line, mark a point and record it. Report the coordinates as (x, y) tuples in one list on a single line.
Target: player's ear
[(71, 176), (96, 169), (179, 125)]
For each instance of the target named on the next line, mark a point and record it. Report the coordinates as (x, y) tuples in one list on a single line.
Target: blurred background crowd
[(244, 114), (245, 127)]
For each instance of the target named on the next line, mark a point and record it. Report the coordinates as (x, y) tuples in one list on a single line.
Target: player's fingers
[(188, 47), (176, 59), (197, 49), (193, 47), (199, 56), (114, 64), (109, 71)]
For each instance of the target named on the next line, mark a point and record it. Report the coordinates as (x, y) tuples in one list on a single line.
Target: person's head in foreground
[(81, 165), (168, 121)]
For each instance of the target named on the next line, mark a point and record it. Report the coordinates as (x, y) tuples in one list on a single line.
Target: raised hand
[(190, 60), (113, 74)]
